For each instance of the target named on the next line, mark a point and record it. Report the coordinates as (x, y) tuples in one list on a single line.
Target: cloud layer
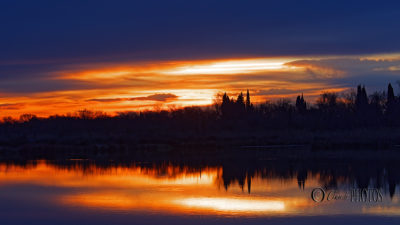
[(61, 56), (155, 97), (134, 85)]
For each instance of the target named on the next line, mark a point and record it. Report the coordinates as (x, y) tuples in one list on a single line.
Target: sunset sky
[(59, 57)]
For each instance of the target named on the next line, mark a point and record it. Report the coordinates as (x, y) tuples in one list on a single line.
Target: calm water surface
[(89, 192)]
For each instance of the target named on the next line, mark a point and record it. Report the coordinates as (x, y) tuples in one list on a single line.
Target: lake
[(229, 190)]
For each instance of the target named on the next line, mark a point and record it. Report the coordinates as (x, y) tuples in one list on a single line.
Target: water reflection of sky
[(45, 190)]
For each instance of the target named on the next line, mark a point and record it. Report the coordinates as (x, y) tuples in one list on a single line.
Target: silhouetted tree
[(390, 103), (301, 105), (249, 105), (392, 107), (377, 102), (225, 99), (240, 108), (361, 99), (231, 109), (390, 94), (240, 100), (27, 117), (327, 101), (226, 105), (86, 114)]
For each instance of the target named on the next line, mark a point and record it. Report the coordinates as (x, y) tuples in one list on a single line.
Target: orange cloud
[(155, 97), (112, 87), (317, 69)]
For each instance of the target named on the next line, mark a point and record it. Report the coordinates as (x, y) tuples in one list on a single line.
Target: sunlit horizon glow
[(231, 67), (152, 85)]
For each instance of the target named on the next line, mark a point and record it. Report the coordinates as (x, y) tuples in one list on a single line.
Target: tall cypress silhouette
[(249, 106), (301, 105), (240, 100), (390, 95), (391, 106), (248, 103), (240, 106), (361, 98), (226, 105)]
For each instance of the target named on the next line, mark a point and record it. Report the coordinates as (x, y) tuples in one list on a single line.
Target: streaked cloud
[(141, 85), (238, 66), (155, 97), (317, 68), (390, 68), (11, 106)]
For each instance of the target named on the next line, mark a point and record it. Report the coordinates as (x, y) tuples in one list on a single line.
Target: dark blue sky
[(93, 30)]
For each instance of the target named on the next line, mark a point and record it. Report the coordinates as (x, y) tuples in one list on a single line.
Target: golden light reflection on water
[(228, 204), (172, 189)]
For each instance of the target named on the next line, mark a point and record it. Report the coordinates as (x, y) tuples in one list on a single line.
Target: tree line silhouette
[(352, 110), (228, 117)]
